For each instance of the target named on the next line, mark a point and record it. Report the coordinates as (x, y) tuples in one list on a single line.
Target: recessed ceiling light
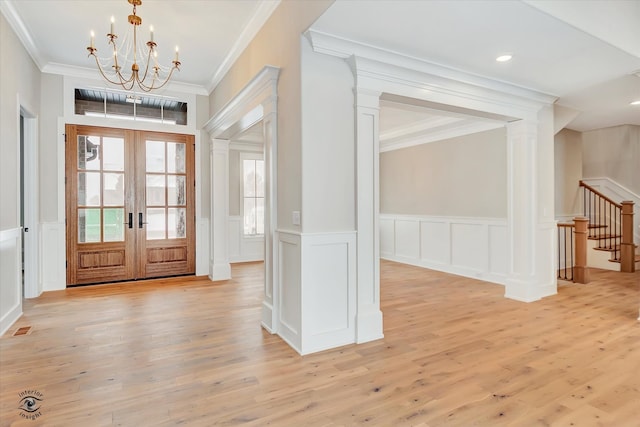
[(504, 58), (636, 102)]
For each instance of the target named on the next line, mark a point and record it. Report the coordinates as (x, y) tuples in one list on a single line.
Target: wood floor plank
[(188, 351)]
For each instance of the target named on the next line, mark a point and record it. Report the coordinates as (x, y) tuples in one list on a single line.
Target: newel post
[(627, 247), (580, 270)]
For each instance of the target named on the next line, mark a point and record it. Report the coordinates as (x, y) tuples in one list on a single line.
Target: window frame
[(248, 156)]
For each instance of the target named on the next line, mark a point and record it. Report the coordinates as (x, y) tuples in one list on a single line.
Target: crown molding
[(261, 88), (426, 137), (382, 64), (92, 74), (258, 19), (16, 23)]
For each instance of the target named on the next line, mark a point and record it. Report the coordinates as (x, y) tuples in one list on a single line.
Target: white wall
[(328, 146), (463, 176), (19, 87), (613, 153), (278, 44), (568, 173)]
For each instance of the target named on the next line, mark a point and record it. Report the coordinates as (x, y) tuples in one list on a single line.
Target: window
[(253, 196), (120, 105)]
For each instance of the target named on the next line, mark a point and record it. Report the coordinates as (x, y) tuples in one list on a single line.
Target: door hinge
[(65, 137), (66, 264)]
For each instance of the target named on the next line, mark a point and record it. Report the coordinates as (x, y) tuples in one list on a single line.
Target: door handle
[(130, 220), (140, 222)]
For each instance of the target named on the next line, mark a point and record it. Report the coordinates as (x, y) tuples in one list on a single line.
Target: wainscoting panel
[(54, 273), (289, 292), (471, 247), (407, 239), (435, 242), (10, 277), (329, 290), (202, 247), (241, 248)]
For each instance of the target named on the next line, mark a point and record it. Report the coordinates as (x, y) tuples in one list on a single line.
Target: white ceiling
[(551, 56), (210, 33), (589, 73)]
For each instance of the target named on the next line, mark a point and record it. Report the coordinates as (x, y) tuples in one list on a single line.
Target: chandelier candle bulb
[(93, 35), (132, 54)]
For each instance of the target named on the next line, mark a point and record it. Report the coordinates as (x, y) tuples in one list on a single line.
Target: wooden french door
[(129, 203)]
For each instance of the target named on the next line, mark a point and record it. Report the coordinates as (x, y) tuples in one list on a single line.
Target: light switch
[(295, 217)]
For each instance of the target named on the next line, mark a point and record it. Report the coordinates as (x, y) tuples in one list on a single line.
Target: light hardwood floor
[(186, 351)]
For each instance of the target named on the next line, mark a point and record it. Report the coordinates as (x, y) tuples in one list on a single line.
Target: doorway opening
[(28, 215)]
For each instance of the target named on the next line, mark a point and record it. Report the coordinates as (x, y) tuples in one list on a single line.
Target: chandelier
[(146, 73)]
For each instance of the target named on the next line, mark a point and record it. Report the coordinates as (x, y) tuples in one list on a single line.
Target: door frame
[(32, 285), (257, 101)]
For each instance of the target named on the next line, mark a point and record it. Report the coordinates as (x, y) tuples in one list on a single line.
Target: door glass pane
[(176, 190), (155, 156), (88, 225), (177, 223), (175, 157), (113, 154), (250, 216), (113, 192), (260, 178), (156, 224), (155, 190), (113, 225), (88, 152), (249, 171), (89, 189)]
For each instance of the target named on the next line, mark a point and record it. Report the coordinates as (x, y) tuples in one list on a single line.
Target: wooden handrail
[(566, 224), (593, 190)]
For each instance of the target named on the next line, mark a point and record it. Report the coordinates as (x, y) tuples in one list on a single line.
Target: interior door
[(130, 204)]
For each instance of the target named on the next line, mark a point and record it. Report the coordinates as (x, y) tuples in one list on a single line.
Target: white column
[(369, 316), (270, 129), (530, 239), (220, 269)]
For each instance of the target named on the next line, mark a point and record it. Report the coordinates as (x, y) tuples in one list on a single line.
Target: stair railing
[(611, 225), (605, 219), (572, 250)]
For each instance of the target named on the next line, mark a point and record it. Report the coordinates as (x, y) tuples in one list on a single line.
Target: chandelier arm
[(146, 68), (115, 53), (152, 87)]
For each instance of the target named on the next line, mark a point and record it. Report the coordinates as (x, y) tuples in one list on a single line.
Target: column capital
[(365, 97)]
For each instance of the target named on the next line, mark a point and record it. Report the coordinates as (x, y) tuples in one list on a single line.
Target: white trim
[(258, 101), (31, 231), (344, 48), (244, 103), (10, 241), (219, 256), (256, 21), (251, 147), (13, 18), (438, 243), (52, 243), (424, 137)]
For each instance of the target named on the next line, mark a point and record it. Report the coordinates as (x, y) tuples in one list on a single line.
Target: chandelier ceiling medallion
[(141, 57)]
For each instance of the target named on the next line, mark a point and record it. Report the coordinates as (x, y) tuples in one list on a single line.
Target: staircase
[(610, 232)]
